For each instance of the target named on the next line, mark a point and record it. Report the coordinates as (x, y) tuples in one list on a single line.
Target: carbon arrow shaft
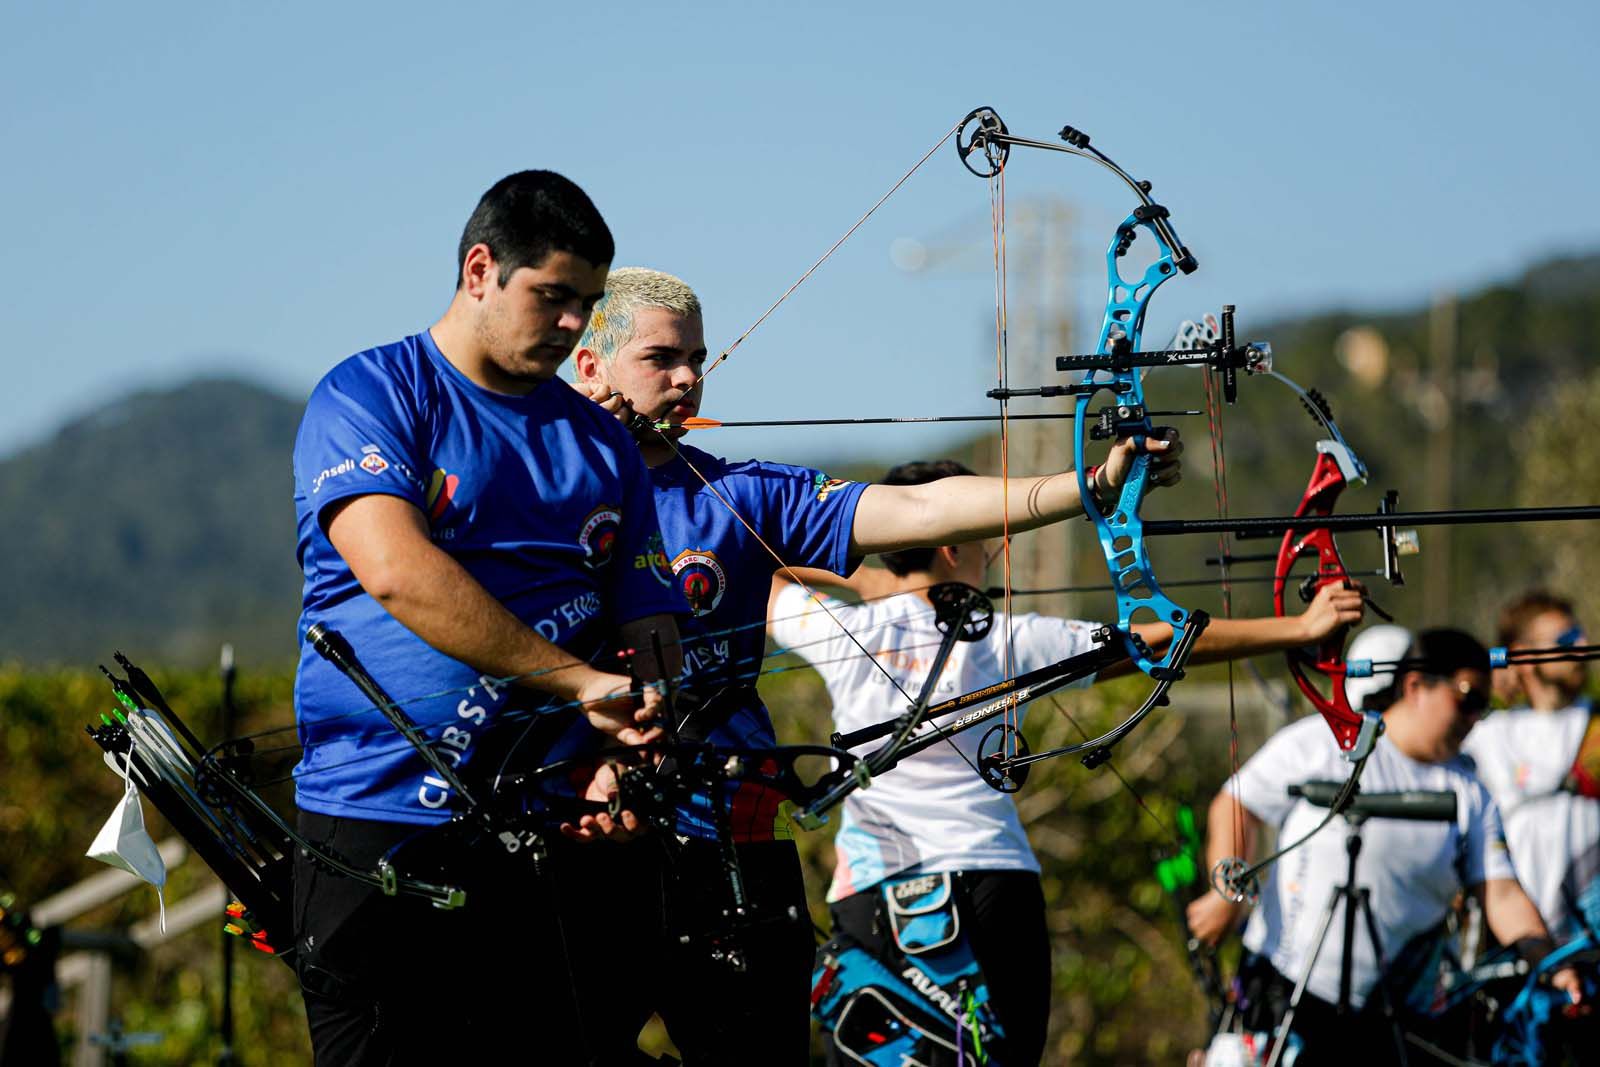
[(712, 424), (997, 592)]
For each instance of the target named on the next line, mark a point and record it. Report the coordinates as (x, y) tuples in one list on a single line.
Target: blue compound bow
[(1117, 367)]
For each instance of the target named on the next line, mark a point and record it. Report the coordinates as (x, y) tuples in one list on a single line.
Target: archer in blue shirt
[(727, 528), (479, 532), (539, 500)]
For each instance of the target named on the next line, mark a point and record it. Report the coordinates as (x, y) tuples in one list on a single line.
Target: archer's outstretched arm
[(954, 511), (1225, 639)]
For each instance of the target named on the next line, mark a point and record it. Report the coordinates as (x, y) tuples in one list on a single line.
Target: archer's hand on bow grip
[(1338, 605), (1165, 452)]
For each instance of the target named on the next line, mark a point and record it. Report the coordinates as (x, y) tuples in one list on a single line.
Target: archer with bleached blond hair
[(728, 527)]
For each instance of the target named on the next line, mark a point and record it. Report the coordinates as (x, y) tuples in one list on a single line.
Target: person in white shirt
[(1413, 869), (932, 814), (1541, 762)]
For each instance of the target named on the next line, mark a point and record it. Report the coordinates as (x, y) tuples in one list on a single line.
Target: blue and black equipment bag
[(925, 1004)]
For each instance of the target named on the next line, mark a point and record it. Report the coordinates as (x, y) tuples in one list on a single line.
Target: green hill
[(160, 525)]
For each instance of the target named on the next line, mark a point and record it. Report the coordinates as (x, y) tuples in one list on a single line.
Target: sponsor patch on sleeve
[(823, 485), (654, 559)]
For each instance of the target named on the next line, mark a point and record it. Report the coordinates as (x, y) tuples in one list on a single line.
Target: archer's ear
[(586, 362), (478, 271), (950, 555)]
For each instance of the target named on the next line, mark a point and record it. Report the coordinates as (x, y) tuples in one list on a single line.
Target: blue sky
[(263, 189)]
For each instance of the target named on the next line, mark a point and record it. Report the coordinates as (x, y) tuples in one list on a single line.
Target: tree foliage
[(1558, 463)]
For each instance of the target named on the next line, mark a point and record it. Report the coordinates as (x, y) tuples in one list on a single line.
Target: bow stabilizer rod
[(1276, 526), (331, 646)]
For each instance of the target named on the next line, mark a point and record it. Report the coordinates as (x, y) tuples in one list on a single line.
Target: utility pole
[(1038, 328)]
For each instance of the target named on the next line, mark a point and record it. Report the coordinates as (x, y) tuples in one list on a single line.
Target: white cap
[(1384, 643)]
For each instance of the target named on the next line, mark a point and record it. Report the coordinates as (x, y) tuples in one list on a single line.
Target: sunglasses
[(1570, 637), (1470, 700)]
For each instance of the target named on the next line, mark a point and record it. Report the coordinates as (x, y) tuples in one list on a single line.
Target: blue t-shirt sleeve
[(808, 517), (359, 436)]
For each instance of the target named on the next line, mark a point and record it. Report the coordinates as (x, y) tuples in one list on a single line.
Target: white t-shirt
[(1413, 869), (1522, 756), (931, 812)]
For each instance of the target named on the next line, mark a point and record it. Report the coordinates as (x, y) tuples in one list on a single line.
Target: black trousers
[(562, 963), (717, 1014), (1328, 1038), (1003, 916), (393, 980)]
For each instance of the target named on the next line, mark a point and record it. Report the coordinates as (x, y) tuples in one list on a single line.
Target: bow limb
[(1337, 467), (984, 145), (1120, 530), (1328, 479), (1356, 732)]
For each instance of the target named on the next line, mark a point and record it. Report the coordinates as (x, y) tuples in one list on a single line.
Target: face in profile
[(529, 326)]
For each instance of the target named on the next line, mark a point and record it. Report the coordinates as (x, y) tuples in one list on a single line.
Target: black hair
[(527, 215), (1434, 654), (910, 560), (1441, 652)]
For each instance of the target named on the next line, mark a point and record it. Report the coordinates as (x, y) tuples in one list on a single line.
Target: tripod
[(1356, 898)]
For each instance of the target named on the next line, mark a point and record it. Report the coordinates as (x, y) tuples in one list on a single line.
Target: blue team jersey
[(726, 577), (542, 498)]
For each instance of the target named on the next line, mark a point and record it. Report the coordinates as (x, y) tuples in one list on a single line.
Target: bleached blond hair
[(630, 290)]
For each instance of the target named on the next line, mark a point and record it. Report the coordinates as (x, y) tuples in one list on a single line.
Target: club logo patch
[(371, 461), (598, 536), (701, 579), (654, 559), (823, 485)]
